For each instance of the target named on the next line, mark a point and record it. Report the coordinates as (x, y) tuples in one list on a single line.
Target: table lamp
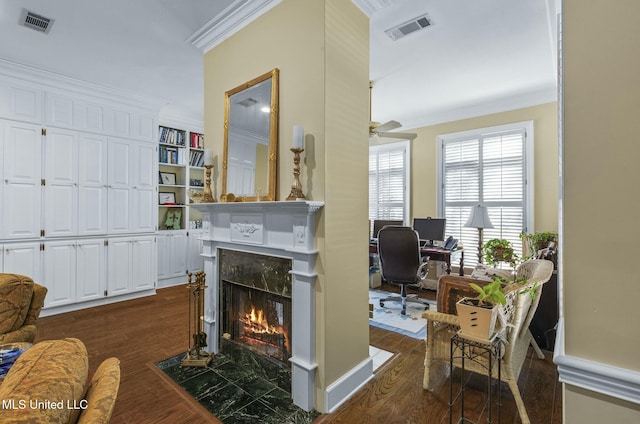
[(479, 218)]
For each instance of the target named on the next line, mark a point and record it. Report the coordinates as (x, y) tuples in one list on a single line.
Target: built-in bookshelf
[(181, 175)]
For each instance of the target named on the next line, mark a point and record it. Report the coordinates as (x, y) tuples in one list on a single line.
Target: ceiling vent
[(35, 21), (408, 27)]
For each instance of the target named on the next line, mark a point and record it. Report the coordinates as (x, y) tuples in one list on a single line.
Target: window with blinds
[(487, 167), (389, 181)]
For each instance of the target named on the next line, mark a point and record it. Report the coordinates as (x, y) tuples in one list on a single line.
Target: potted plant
[(478, 314), (538, 241), (499, 250)]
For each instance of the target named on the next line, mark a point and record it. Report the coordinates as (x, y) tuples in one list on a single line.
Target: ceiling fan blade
[(390, 125), (404, 136)]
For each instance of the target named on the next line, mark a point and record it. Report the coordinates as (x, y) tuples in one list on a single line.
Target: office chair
[(401, 263)]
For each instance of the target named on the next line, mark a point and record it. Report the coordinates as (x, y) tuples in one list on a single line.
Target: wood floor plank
[(145, 331)]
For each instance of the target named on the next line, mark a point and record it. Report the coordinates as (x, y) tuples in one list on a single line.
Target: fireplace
[(262, 255), (255, 303)]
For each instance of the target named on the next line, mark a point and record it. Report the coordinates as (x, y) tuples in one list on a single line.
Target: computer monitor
[(379, 223), (430, 229)]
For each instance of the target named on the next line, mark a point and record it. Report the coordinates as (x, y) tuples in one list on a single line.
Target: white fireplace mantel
[(282, 229)]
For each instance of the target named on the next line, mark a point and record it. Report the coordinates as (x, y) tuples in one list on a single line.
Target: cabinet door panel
[(145, 166), (144, 210), (59, 275), (164, 256), (178, 254), (21, 208), (59, 110), (92, 185), (144, 263), (119, 162), (61, 189), (91, 271), (23, 259), (195, 262), (119, 210), (119, 266), (20, 103), (21, 202)]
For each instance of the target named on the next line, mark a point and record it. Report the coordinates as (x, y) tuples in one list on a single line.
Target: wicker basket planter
[(476, 321)]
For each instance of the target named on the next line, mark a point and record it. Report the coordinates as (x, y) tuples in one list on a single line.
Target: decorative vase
[(476, 321)]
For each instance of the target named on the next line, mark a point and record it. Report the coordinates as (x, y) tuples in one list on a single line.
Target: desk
[(436, 254)]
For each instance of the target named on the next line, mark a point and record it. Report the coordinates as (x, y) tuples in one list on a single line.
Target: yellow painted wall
[(601, 202), (321, 48), (545, 121)]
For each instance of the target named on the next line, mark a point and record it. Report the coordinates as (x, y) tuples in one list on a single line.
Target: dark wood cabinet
[(543, 324)]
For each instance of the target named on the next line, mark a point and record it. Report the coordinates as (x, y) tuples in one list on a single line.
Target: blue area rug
[(389, 318)]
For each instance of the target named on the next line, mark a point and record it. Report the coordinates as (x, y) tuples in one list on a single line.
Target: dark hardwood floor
[(144, 331)]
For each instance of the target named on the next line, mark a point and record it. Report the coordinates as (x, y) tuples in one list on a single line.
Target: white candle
[(298, 137), (208, 160)]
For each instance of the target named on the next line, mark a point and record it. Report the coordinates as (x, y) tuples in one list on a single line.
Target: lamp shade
[(479, 218)]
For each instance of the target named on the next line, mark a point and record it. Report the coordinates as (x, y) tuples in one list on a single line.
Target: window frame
[(528, 173), (397, 145)]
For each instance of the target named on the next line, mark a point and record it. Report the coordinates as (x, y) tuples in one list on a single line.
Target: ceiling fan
[(382, 130)]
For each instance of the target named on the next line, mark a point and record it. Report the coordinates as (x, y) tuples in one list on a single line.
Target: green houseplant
[(478, 314), (538, 241), (499, 250)]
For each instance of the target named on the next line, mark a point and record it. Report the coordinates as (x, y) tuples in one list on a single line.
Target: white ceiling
[(478, 57)]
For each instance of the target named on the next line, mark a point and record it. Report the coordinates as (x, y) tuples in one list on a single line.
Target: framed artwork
[(167, 178), (167, 198)]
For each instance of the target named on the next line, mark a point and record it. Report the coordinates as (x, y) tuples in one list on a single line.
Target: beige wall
[(321, 49), (545, 121), (601, 202)]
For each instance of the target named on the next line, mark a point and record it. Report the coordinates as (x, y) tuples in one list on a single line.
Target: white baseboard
[(620, 383), (343, 388), (45, 312)]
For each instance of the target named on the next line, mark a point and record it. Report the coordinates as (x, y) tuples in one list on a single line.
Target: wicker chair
[(520, 308)]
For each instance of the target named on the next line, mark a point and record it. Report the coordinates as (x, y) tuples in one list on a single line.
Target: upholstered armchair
[(20, 303), (520, 308)]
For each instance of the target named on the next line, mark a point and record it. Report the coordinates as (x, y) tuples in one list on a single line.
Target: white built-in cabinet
[(23, 258), (21, 152), (78, 192)]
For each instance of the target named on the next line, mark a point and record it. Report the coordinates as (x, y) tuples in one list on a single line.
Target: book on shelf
[(196, 158), (197, 141), (171, 136), (171, 155)]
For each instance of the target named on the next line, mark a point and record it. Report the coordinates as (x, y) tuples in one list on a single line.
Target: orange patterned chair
[(54, 373), (20, 303)]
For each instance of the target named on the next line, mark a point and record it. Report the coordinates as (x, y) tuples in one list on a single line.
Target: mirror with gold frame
[(251, 139)]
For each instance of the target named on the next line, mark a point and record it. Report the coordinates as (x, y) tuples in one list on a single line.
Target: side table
[(469, 348)]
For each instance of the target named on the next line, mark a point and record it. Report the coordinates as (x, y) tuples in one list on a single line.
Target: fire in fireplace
[(258, 320), (255, 303)]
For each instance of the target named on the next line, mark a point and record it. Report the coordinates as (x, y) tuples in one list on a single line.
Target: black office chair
[(401, 263)]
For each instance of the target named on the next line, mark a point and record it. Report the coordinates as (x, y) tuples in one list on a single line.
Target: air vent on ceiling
[(408, 27), (35, 21)]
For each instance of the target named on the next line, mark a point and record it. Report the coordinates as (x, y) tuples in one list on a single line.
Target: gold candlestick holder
[(296, 187), (207, 195)]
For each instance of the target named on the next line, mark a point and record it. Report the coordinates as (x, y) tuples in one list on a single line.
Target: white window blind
[(389, 181), (487, 167)]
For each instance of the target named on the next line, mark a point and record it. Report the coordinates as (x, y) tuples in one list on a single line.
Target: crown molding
[(56, 81), (232, 19), (620, 383), (500, 105), (369, 7)]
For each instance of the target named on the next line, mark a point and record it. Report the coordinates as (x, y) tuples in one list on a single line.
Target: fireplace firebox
[(255, 303)]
